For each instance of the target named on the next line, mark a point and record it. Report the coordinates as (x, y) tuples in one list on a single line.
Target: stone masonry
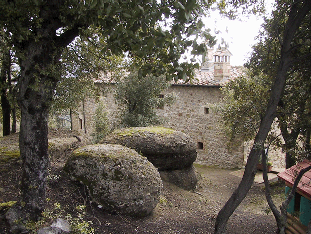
[(193, 113)]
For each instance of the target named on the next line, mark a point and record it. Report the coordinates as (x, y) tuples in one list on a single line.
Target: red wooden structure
[(299, 209)]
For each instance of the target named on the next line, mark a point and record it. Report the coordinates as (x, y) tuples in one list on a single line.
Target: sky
[(239, 34)]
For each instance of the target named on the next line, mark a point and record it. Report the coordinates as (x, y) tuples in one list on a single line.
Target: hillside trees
[(40, 31), (290, 25)]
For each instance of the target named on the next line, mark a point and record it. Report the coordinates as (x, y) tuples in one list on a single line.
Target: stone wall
[(83, 119), (193, 113)]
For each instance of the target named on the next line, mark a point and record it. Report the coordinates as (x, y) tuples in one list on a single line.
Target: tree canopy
[(287, 33), (41, 29), (139, 97)]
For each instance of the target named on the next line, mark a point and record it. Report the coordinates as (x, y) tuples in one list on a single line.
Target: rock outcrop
[(165, 148), (185, 178), (117, 177), (172, 152)]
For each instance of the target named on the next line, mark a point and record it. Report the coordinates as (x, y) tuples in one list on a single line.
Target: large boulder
[(117, 177), (185, 178), (165, 148)]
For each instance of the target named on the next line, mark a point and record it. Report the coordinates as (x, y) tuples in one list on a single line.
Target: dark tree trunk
[(71, 124), (84, 117), (14, 120), (40, 73), (290, 159), (34, 151), (5, 83), (296, 16), (307, 143), (34, 97), (6, 113), (290, 143), (277, 215)]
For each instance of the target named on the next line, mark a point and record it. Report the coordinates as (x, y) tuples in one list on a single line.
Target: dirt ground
[(179, 211)]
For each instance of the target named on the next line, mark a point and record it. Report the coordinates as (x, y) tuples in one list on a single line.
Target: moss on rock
[(117, 177), (165, 148), (140, 130)]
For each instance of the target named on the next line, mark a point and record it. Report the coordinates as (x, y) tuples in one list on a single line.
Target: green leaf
[(141, 8), (108, 10), (179, 5), (93, 4), (127, 15)]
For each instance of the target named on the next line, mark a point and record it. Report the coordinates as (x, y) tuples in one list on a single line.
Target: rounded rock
[(165, 148), (117, 177)]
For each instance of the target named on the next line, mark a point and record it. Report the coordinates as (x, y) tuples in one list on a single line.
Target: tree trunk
[(40, 73), (6, 113), (71, 124), (84, 117), (295, 18), (35, 95), (5, 82), (34, 152), (277, 215), (14, 120)]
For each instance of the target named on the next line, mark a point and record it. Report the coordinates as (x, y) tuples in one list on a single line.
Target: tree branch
[(275, 211), (294, 20), (68, 36)]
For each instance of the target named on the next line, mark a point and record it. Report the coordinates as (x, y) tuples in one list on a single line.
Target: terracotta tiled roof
[(290, 174)]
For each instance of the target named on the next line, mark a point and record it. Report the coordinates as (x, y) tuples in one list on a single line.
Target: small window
[(200, 145), (206, 110)]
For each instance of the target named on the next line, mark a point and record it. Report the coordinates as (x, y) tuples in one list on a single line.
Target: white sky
[(239, 34)]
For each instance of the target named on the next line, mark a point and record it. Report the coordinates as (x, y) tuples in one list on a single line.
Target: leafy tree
[(83, 62), (294, 106), (295, 15), (138, 98), (42, 29), (244, 103)]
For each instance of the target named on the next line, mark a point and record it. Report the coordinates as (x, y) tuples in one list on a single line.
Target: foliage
[(244, 108), (40, 30), (244, 103), (78, 224), (294, 107), (83, 63), (286, 26), (101, 122), (138, 97)]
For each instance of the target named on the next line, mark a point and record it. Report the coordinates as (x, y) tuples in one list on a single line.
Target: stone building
[(193, 112)]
